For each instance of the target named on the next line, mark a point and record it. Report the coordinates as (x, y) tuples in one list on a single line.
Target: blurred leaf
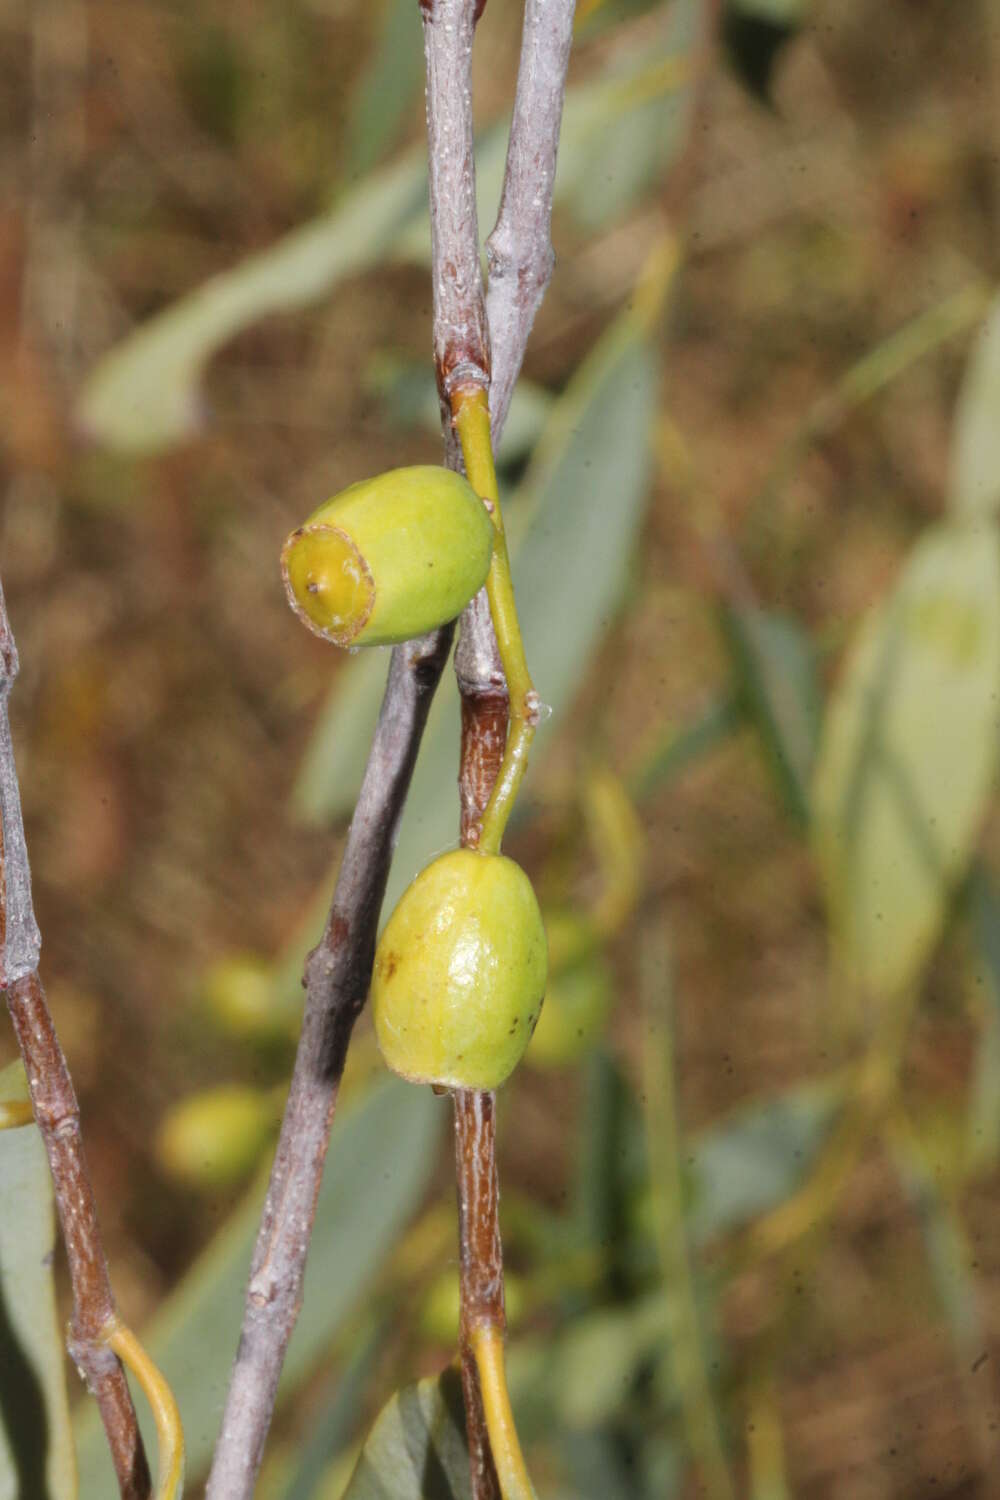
[(755, 1158), (382, 1152), (36, 1440), (389, 87), (335, 758), (336, 1419), (570, 551), (975, 455), (686, 745), (983, 1123), (908, 756), (143, 396), (948, 1254), (619, 133), (623, 131), (416, 1449), (755, 33), (598, 1359), (776, 668)]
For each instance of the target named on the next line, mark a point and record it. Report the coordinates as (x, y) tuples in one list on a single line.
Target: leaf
[(776, 668), (334, 1424), (907, 756), (389, 87), (618, 136), (757, 1157), (36, 1440), (382, 1151), (975, 454), (983, 1119), (143, 396), (416, 1449)]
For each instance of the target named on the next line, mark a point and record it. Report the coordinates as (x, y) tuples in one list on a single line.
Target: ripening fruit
[(213, 1139), (460, 972), (389, 558)]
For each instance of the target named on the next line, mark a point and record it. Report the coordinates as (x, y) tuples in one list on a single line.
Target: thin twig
[(338, 972), (520, 260), (58, 1116), (336, 979), (519, 251)]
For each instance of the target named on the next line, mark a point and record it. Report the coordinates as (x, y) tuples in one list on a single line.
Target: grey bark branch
[(336, 979), (339, 970), (461, 336), (519, 251), (57, 1115)]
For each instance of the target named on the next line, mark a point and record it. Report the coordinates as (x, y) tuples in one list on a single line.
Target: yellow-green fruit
[(241, 993), (460, 972), (215, 1138), (577, 1004), (389, 558)]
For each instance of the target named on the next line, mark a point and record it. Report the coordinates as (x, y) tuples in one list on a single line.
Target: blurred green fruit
[(577, 1004), (389, 558), (460, 972), (216, 1138), (440, 1309), (239, 991)]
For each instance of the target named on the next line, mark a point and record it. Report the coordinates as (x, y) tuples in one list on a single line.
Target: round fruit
[(215, 1138), (389, 558), (460, 972)]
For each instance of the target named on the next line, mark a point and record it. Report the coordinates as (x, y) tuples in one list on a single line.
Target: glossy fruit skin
[(389, 558), (460, 972)]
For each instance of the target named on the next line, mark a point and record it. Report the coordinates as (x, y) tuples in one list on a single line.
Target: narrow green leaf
[(983, 1120), (687, 744), (36, 1440), (908, 755), (619, 134), (382, 1152), (776, 669), (143, 396), (416, 1449), (389, 88), (755, 1158), (975, 455)]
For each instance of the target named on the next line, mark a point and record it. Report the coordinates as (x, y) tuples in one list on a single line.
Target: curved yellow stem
[(471, 412), (169, 1432), (486, 1342)]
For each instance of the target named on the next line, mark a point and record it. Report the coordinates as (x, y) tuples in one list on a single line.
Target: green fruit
[(215, 1138), (460, 972), (389, 558), (241, 994), (577, 1004)]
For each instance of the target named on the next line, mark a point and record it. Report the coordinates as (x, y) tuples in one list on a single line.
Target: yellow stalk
[(486, 1341), (169, 1432), (471, 412)]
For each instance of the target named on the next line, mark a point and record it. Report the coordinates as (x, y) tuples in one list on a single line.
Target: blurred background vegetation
[(749, 1173)]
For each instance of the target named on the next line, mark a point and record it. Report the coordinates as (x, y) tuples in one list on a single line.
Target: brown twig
[(520, 261), (57, 1113), (336, 979)]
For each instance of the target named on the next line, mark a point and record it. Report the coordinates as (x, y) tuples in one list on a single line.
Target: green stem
[(471, 412)]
